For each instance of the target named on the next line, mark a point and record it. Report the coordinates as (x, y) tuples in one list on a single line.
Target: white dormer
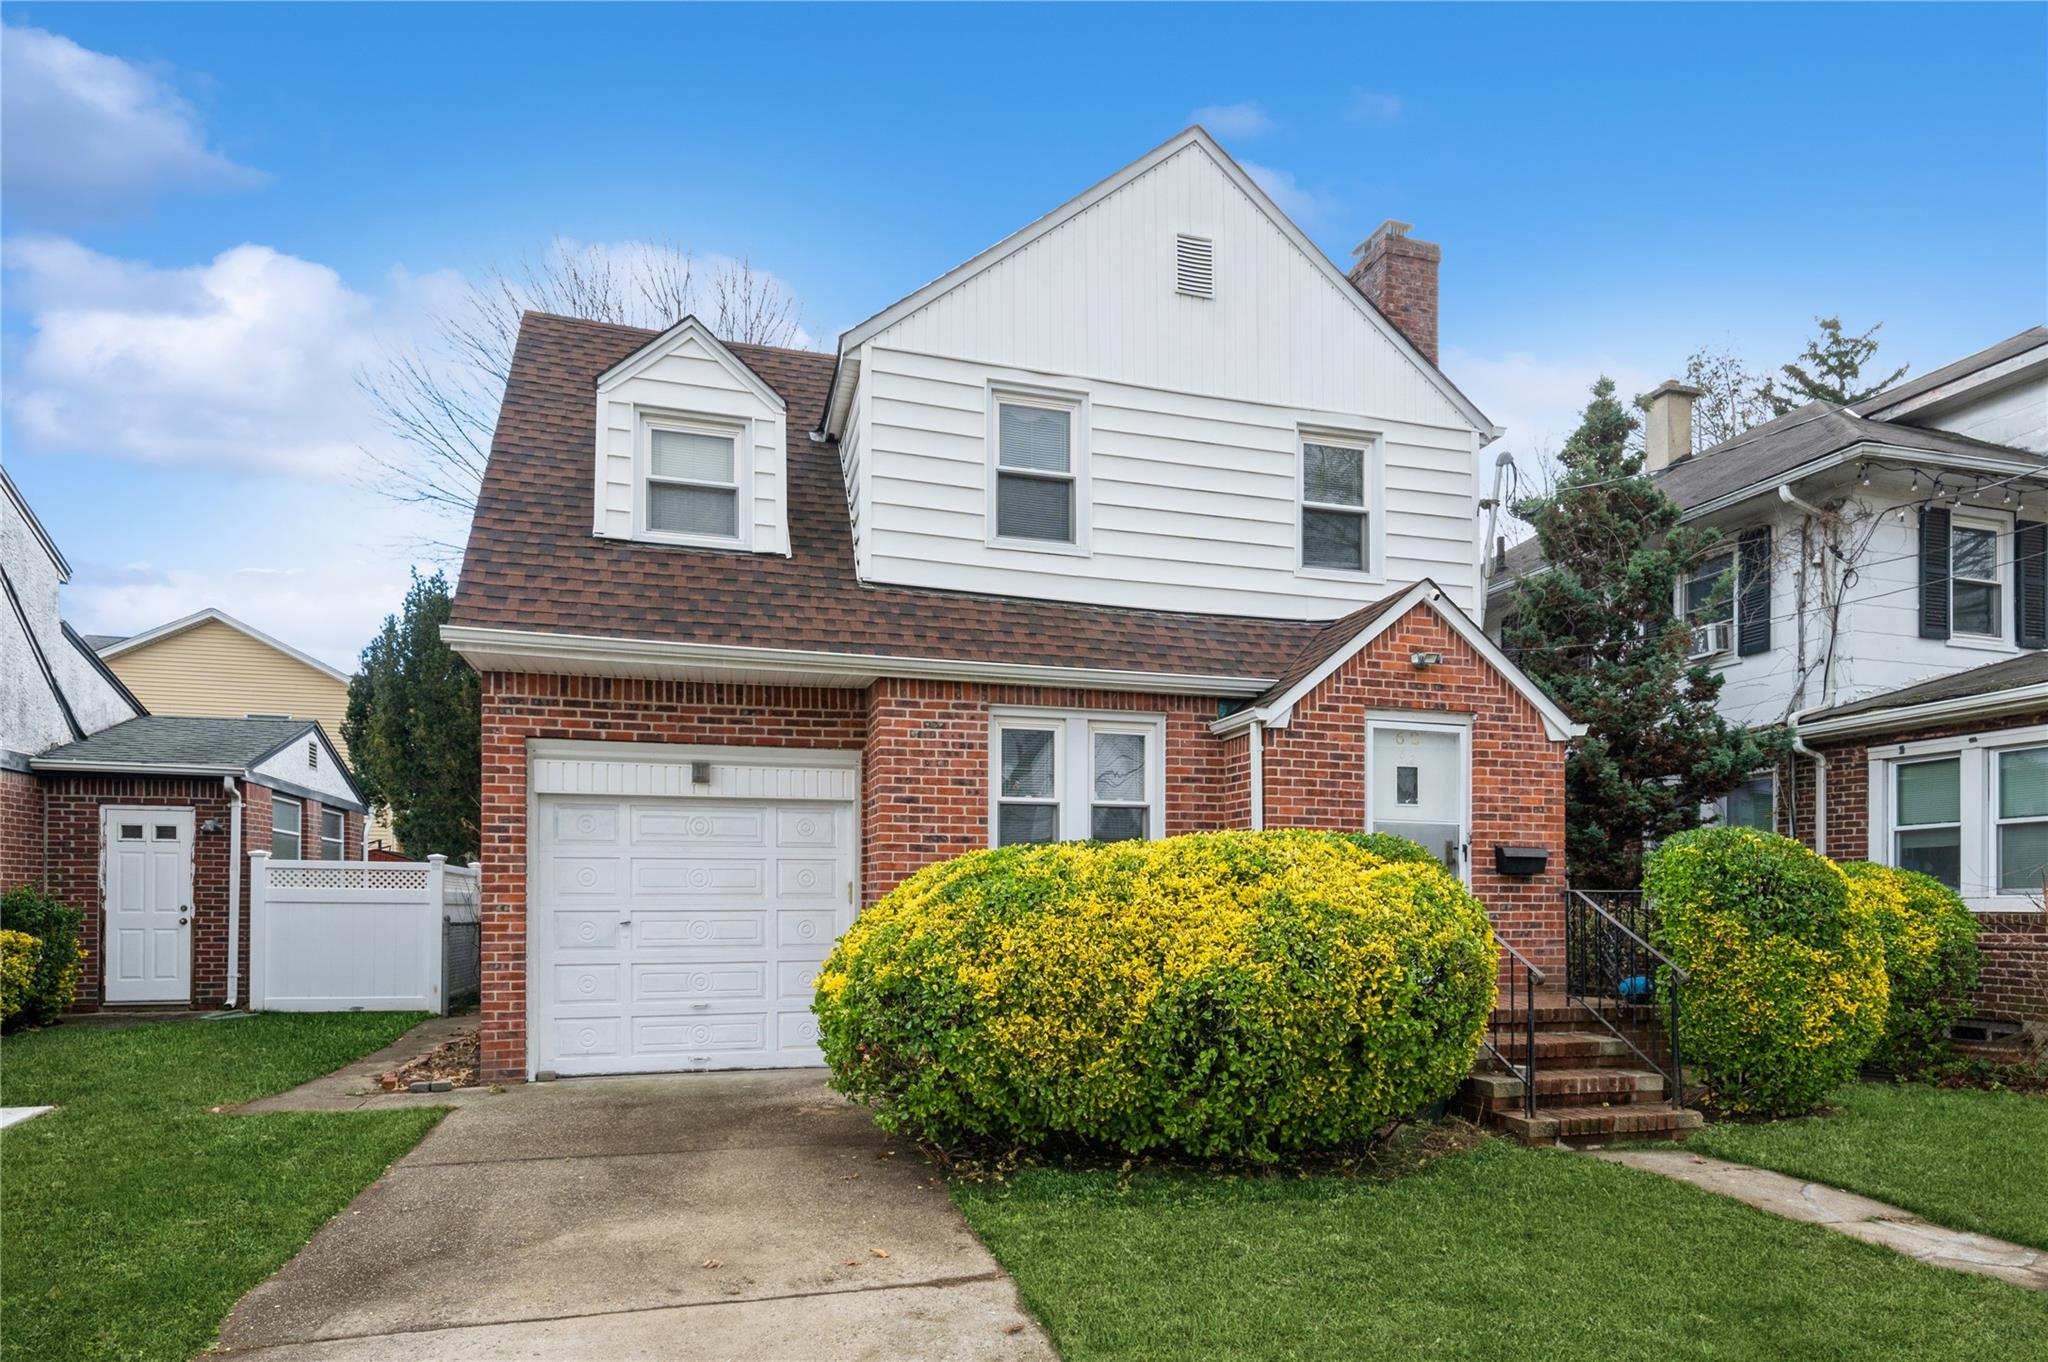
[(691, 448)]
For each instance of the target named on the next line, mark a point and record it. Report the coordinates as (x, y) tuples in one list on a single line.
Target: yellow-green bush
[(1930, 957), (1234, 994), (54, 982), (18, 954), (1788, 990)]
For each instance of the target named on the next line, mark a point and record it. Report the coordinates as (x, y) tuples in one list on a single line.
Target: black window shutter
[(1753, 592), (2030, 568), (1934, 572)]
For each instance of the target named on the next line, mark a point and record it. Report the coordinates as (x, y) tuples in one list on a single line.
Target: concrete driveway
[(700, 1217)]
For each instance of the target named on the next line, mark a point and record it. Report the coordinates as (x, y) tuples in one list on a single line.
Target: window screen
[(692, 485), (1034, 472)]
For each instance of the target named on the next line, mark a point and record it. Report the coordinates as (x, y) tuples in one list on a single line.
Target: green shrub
[(18, 954), (1930, 957), (1386, 846), (1788, 990), (1234, 994), (25, 908)]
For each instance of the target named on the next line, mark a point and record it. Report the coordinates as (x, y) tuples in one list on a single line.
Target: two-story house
[(1148, 519), (1882, 590)]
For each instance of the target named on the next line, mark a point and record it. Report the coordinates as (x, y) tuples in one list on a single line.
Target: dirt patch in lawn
[(452, 1062)]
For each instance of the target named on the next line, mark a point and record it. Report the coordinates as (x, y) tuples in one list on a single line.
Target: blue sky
[(214, 217)]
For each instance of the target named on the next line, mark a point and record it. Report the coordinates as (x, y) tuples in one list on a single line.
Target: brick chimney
[(1667, 430), (1397, 274)]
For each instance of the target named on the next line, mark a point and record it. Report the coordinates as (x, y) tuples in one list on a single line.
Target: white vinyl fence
[(373, 936)]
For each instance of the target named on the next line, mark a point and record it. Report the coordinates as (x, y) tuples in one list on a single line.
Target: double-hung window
[(286, 815), (1069, 777), (693, 480), (1973, 581), (1037, 470), (331, 826), (1710, 605), (2022, 819), (1752, 804), (1336, 512), (1927, 818)]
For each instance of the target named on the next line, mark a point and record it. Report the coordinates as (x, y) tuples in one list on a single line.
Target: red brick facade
[(69, 865), (924, 792), (21, 829), (2014, 944)]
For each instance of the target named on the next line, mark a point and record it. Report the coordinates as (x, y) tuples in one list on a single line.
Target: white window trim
[(1075, 404), (1373, 444), (1980, 829), (1074, 751), (1727, 656), (340, 839), (737, 429), (1461, 725), (300, 835), (2001, 577)]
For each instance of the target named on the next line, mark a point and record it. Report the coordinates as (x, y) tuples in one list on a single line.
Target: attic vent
[(1194, 266), (313, 755)]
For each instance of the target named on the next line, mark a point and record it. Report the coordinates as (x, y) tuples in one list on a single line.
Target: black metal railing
[(1628, 985), (1520, 997)]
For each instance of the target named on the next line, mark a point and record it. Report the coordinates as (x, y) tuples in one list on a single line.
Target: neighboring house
[(210, 663), (1146, 520), (1888, 601), (143, 821)]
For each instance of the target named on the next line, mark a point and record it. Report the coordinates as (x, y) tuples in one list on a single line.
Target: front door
[(148, 886), (1416, 787)]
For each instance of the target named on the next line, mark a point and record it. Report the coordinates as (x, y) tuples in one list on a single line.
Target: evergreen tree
[(415, 731), (1598, 632), (1832, 370)]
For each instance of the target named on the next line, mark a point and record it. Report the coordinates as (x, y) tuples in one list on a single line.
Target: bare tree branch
[(438, 398)]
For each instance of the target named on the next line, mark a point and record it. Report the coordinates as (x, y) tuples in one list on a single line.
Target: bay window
[(1058, 777)]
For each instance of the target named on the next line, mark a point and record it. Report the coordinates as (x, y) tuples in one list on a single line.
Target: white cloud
[(84, 135), (1305, 206), (1538, 400), (1241, 121), (330, 608), (1373, 107), (248, 361)]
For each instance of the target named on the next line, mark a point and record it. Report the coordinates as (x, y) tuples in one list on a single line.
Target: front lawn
[(133, 1218), (1963, 1158), (1499, 1252)]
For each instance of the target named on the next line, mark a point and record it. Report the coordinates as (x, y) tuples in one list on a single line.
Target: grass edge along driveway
[(1958, 1157), (1498, 1252), (134, 1217)]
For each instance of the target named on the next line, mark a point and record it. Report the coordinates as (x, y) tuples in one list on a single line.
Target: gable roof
[(1338, 642), (689, 328), (198, 617), (180, 745), (2011, 348), (2015, 683), (533, 575), (1194, 136)]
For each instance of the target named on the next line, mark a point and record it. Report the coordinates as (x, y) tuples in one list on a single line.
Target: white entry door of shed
[(684, 932)]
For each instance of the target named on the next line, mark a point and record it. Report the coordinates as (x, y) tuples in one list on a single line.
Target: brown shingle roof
[(533, 563)]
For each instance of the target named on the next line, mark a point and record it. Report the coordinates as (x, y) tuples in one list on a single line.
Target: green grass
[(1497, 1253), (1967, 1159), (131, 1219)]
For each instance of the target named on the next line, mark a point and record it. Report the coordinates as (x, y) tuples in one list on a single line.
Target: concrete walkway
[(1858, 1217), (705, 1216)]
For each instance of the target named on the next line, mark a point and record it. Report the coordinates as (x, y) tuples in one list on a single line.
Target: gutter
[(1989, 704)]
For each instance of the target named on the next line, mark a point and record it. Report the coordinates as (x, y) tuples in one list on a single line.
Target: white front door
[(683, 933), (146, 856), (1417, 786)]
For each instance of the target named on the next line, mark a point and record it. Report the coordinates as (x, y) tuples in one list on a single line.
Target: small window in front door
[(1417, 788)]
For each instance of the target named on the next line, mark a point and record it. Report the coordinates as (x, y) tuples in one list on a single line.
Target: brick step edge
[(1618, 1084), (1593, 1125)]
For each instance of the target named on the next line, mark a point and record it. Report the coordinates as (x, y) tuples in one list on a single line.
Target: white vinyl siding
[(287, 817), (1059, 777)]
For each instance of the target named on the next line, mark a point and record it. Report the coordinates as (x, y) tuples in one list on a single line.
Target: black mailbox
[(1520, 861)]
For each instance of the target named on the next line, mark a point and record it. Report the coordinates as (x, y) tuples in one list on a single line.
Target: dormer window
[(693, 479)]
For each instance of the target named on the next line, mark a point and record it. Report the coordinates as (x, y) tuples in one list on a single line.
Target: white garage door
[(684, 933)]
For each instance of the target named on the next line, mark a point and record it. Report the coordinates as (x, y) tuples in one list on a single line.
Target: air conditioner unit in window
[(1712, 639)]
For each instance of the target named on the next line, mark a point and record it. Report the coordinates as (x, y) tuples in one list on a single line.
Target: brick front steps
[(1591, 1088)]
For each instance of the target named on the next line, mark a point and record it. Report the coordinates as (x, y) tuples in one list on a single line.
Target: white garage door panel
[(684, 933)]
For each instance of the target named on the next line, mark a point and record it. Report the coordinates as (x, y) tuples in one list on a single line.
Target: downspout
[(1257, 734), (234, 883), (1820, 790), (1827, 682)]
